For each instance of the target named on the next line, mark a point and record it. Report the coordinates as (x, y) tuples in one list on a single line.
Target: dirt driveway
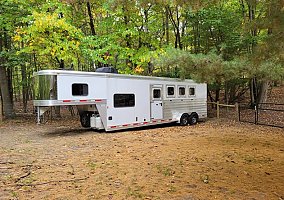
[(211, 160)]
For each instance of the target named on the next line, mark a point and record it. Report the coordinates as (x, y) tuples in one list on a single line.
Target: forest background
[(236, 46)]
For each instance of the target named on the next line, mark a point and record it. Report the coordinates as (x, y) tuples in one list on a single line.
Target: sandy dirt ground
[(212, 160)]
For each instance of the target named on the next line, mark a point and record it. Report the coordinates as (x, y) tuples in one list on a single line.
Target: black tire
[(193, 119), (85, 119), (184, 119)]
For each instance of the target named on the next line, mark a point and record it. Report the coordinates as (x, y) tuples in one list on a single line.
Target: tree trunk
[(57, 112), (24, 88), (253, 91), (176, 24), (251, 11), (217, 94), (196, 36), (1, 110), (92, 26), (127, 37), (7, 101), (167, 27), (4, 85), (9, 74), (262, 95)]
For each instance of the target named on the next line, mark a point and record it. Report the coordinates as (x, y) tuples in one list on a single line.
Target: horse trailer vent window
[(181, 91), (79, 89), (45, 87), (124, 100), (157, 93), (191, 91), (171, 91)]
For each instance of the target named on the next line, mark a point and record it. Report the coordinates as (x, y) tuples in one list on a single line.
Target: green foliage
[(269, 71), (230, 75), (203, 68), (216, 28), (129, 35), (11, 13), (221, 42), (212, 68), (51, 36)]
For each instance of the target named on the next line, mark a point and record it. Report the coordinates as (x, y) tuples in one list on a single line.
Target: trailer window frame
[(123, 100), (80, 89), (169, 93), (179, 91), (190, 89)]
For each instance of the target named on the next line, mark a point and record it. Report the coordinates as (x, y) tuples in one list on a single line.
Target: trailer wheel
[(184, 119), (85, 119), (193, 118)]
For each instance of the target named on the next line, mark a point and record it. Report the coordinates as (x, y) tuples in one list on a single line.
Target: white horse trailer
[(117, 101)]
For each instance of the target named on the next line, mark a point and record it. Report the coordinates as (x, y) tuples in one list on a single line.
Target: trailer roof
[(107, 75)]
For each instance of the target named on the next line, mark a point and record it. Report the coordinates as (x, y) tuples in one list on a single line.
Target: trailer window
[(45, 87), (191, 91), (79, 89), (156, 93), (170, 91), (124, 100), (181, 91)]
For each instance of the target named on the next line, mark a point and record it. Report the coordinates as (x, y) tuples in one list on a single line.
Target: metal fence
[(269, 114)]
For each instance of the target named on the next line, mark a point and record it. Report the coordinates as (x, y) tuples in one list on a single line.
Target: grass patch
[(165, 170), (14, 194), (135, 192), (172, 189), (92, 165), (257, 160)]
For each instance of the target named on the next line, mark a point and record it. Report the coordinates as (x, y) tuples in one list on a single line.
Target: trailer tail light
[(66, 101)]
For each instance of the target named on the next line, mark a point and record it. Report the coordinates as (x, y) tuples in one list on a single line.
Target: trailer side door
[(156, 101)]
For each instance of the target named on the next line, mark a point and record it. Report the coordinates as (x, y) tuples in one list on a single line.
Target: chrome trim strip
[(137, 125), (67, 102)]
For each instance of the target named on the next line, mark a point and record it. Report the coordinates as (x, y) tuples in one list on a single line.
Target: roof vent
[(107, 70)]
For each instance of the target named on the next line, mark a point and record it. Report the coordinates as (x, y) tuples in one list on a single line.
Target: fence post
[(218, 110), (257, 106), (237, 111), (1, 112), (255, 114)]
